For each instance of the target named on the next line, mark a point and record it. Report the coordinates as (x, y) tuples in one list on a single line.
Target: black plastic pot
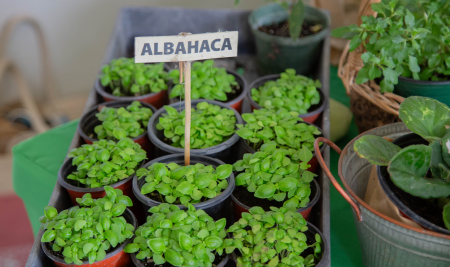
[(138, 263), (313, 112), (115, 258), (88, 122), (217, 207), (226, 151), (388, 186), (235, 103)]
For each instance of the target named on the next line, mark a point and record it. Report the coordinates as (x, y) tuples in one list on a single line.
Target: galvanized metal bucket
[(384, 242)]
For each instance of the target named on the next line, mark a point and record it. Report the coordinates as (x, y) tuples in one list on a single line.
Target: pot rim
[(204, 151), (110, 254), (272, 77), (361, 202), (201, 205), (410, 80), (310, 204), (122, 103), (139, 264)]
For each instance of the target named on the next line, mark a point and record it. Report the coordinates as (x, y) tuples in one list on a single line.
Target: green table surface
[(36, 162)]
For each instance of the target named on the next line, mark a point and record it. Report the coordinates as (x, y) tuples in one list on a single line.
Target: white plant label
[(186, 47)]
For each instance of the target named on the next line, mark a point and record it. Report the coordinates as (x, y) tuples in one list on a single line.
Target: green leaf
[(413, 64), (390, 75), (112, 238), (375, 149), (446, 215), (79, 224), (224, 171), (343, 32), (409, 19), (296, 19), (213, 242), (287, 184), (156, 245), (87, 248), (185, 241), (48, 236), (265, 191), (355, 42), (173, 257), (50, 212)]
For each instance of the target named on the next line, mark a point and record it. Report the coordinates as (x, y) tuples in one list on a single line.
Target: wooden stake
[(187, 101)]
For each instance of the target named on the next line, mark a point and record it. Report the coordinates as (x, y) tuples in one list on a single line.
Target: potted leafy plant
[(405, 53), (91, 167), (117, 120), (95, 231), (213, 130), (290, 91), (270, 179), (174, 237), (414, 169), (275, 238), (285, 129), (122, 79), (288, 34), (206, 183)]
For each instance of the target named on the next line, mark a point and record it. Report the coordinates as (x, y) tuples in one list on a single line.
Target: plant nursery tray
[(141, 21)]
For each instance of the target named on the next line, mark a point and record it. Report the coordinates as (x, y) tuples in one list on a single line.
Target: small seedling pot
[(240, 207), (88, 122), (226, 151), (235, 103), (313, 112), (313, 162), (389, 187), (138, 263), (216, 207), (115, 258)]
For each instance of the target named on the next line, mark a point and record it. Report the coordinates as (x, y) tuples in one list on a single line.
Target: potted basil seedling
[(269, 178), (91, 167), (174, 237), (213, 130), (285, 129), (414, 169), (211, 83), (206, 183), (289, 91), (117, 120), (96, 231), (275, 238), (122, 79)]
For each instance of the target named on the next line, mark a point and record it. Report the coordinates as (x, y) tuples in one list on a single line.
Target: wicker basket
[(370, 107)]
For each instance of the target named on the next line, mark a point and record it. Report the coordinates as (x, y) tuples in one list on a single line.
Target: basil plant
[(119, 123), (274, 239), (292, 92), (126, 78), (401, 44), (174, 184), (420, 170), (87, 231), (178, 237), (282, 127), (207, 82), (270, 174), (105, 162), (211, 125)]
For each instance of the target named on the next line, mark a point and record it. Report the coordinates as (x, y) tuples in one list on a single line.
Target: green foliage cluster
[(409, 167), (207, 82), (271, 174), (184, 184), (105, 162), (273, 239), (119, 123), (88, 231), (292, 92), (211, 125), (179, 237), (400, 44), (126, 78), (281, 127)]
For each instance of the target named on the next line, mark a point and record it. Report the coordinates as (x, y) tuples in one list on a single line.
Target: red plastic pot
[(115, 258), (235, 103), (88, 122), (240, 207), (313, 112)]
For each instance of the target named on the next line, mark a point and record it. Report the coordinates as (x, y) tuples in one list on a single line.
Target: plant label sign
[(186, 47)]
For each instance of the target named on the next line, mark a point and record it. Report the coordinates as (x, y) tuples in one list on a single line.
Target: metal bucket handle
[(331, 177)]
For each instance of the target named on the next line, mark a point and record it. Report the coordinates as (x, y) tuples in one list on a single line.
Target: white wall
[(77, 33)]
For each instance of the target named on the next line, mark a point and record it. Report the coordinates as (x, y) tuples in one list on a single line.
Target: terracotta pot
[(88, 122), (115, 258), (240, 207), (313, 112)]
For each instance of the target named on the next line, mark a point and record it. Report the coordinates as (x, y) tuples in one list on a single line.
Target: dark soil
[(150, 263), (282, 29), (236, 90), (247, 198)]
